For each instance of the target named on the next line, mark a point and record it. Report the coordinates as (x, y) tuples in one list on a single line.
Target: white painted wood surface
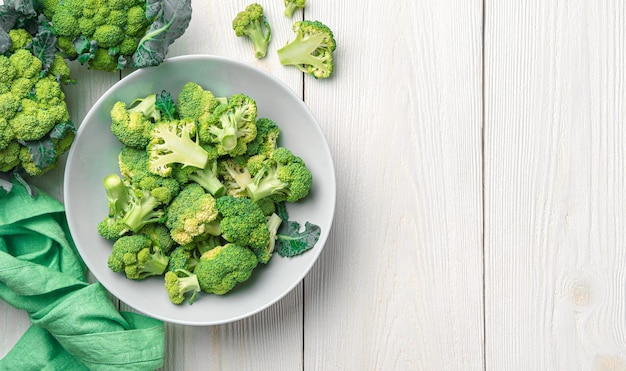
[(479, 222)]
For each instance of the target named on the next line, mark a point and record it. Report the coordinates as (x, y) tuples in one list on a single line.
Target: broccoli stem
[(259, 39), (156, 265), (208, 181), (299, 52), (264, 185), (290, 8), (142, 211), (117, 194)]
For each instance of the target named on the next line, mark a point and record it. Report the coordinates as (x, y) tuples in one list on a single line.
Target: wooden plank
[(554, 185), (399, 285)]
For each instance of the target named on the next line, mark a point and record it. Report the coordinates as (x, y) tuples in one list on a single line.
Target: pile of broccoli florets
[(35, 126), (201, 190)]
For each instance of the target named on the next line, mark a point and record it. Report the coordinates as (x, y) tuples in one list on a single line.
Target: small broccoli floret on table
[(219, 270), (231, 126), (243, 222), (112, 227), (282, 177), (131, 124), (311, 51), (181, 283), (192, 214), (266, 140), (292, 5), (171, 143), (136, 256), (253, 24), (195, 103)]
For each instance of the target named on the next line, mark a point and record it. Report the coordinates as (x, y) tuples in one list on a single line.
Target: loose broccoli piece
[(235, 175), (131, 124), (192, 214), (283, 177), (137, 258), (177, 285), (244, 223), (207, 177), (252, 23), (231, 126), (292, 5), (106, 34), (311, 51), (143, 209), (113, 227), (182, 258), (266, 139), (160, 236), (195, 103), (171, 143), (223, 267)]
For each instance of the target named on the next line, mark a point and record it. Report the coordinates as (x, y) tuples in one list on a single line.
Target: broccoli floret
[(283, 177), (243, 222), (177, 285), (311, 51), (143, 209), (195, 103), (160, 236), (137, 258), (10, 157), (252, 23), (182, 259), (133, 165), (171, 143), (292, 5), (132, 124), (118, 199), (223, 267), (192, 214), (235, 175), (231, 126), (207, 177), (266, 139)]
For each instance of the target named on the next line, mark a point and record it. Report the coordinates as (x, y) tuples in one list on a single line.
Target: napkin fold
[(75, 326)]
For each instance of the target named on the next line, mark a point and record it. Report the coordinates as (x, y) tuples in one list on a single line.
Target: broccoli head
[(182, 258), (195, 103), (292, 5), (192, 214), (283, 177), (266, 139), (136, 256), (311, 51), (131, 124), (179, 283), (171, 143), (133, 163), (219, 270), (231, 126), (253, 24), (160, 236), (243, 222)]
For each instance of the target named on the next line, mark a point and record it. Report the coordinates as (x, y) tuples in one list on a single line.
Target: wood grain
[(554, 185), (399, 284)]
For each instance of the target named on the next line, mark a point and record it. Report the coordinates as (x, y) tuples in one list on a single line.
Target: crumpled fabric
[(75, 326)]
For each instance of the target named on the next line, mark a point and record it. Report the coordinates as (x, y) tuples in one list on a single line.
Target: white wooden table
[(480, 223)]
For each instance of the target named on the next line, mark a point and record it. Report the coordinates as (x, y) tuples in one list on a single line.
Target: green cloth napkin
[(75, 326)]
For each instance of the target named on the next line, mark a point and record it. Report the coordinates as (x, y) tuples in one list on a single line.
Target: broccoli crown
[(311, 50), (292, 5), (231, 126), (135, 256), (182, 259), (113, 27), (171, 143), (191, 214), (242, 222), (266, 139), (177, 285), (253, 24), (132, 124), (221, 268), (195, 103), (283, 177), (160, 236)]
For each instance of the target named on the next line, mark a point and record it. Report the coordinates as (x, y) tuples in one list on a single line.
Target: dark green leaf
[(59, 130), (291, 242), (43, 47), (85, 48), (41, 151), (171, 19), (165, 103)]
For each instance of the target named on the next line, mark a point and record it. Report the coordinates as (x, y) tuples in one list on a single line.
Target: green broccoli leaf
[(59, 130), (85, 48), (42, 151), (43, 47), (171, 19), (165, 103), (12, 13), (291, 242)]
